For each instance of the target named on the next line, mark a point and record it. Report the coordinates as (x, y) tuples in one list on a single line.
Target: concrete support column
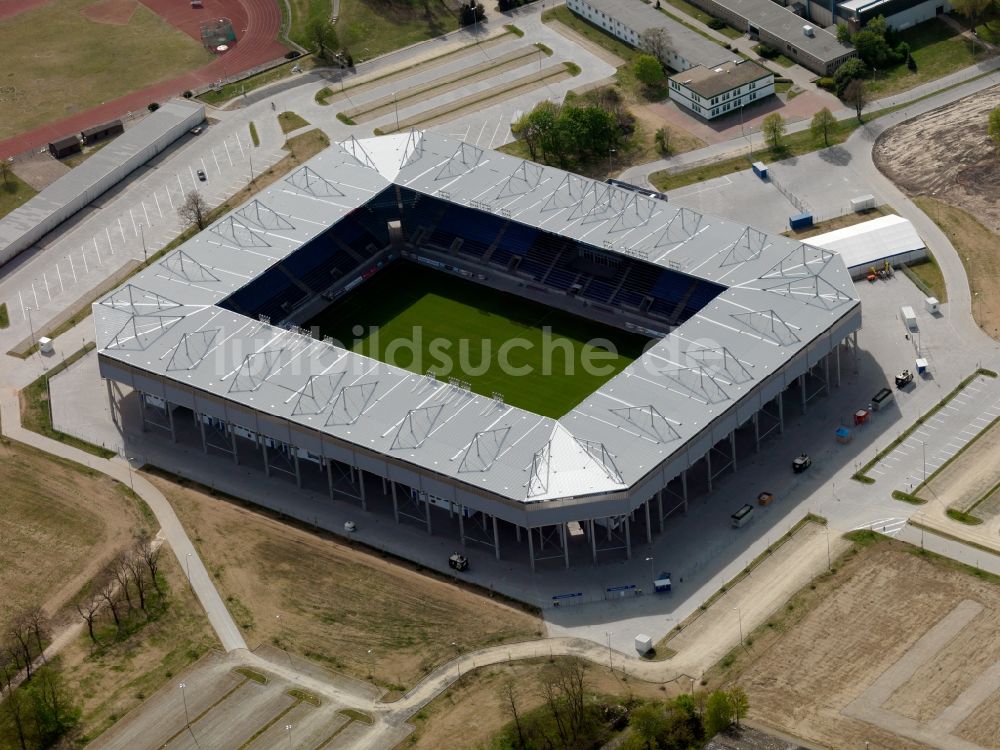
[(708, 463), (361, 488), (839, 344), (204, 438), (607, 527), (111, 402), (267, 464), (781, 412), (329, 477), (756, 431), (732, 448), (826, 372), (659, 508), (517, 532), (531, 549), (684, 488), (593, 540), (802, 391), (649, 523), (385, 488), (562, 532), (170, 421), (628, 538), (427, 513), (142, 410), (496, 537), (298, 469), (395, 502), (855, 337), (236, 452), (461, 524)]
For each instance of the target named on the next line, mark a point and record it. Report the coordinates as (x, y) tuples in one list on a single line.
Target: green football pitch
[(540, 359)]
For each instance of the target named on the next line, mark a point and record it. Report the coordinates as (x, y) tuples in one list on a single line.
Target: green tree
[(856, 94), (973, 10), (873, 49), (718, 713), (662, 139), (847, 72), (656, 42), (322, 37), (843, 33), (649, 722), (822, 123), (993, 128), (740, 703), (773, 128), (4, 169), (647, 70)]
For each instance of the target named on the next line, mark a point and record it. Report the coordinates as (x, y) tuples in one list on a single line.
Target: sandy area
[(948, 155), (328, 601), (872, 612)]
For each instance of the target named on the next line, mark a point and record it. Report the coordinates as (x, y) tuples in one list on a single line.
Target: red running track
[(256, 22), (10, 8)]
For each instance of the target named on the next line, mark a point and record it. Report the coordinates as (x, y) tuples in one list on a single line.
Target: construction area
[(896, 649)]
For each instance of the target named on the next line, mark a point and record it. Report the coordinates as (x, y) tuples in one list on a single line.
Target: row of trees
[(687, 721), (36, 710), (125, 587)]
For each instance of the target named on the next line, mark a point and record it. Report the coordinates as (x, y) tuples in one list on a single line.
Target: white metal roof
[(780, 298), (871, 241)]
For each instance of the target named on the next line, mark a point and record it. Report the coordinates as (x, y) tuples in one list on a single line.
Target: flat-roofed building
[(713, 92), (629, 19)]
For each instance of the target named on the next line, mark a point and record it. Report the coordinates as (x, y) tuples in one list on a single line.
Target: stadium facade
[(743, 323)]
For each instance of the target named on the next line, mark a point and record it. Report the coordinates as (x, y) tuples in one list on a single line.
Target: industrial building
[(888, 239), (900, 14), (809, 45), (27, 224), (746, 325), (720, 90), (629, 19)]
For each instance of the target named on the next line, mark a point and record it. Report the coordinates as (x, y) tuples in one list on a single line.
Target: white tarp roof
[(871, 241)]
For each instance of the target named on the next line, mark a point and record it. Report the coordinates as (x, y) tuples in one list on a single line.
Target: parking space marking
[(228, 155), (59, 274)]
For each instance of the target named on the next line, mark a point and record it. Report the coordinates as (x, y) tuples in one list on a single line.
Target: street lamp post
[(611, 167), (288, 728), (923, 448), (395, 106), (142, 233), (652, 575), (187, 559), (458, 659), (371, 664), (829, 562), (611, 665), (739, 615), (187, 716)]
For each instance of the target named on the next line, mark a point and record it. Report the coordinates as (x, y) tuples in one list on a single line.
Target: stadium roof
[(781, 295)]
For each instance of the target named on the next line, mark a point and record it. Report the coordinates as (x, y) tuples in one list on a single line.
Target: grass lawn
[(290, 121), (69, 63), (368, 28), (15, 192), (589, 31), (989, 31), (428, 320), (230, 90), (4, 316), (928, 272), (303, 13), (699, 15), (839, 222), (937, 49)]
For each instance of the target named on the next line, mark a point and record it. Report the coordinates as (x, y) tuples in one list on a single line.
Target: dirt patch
[(473, 710), (857, 624), (331, 602), (59, 525), (111, 12), (948, 155)]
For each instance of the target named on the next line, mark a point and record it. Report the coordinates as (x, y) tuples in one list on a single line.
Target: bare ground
[(856, 624), (331, 602), (970, 476), (59, 525)]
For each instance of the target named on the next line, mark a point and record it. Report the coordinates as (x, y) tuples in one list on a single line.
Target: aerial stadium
[(266, 339)]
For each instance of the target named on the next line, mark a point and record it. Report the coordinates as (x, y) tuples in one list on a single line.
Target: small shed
[(909, 317), (800, 221), (881, 399), (932, 305), (643, 644), (102, 131), (65, 146), (760, 169)]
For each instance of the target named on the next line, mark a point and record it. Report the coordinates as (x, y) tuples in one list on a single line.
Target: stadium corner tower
[(205, 347)]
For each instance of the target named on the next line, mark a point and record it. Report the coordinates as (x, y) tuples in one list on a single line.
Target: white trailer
[(909, 317), (862, 203)]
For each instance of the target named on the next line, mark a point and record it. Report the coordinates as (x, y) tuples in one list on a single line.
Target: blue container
[(760, 169), (800, 221)]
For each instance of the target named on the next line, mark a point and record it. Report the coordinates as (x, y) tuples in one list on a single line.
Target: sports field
[(540, 359), (69, 55)]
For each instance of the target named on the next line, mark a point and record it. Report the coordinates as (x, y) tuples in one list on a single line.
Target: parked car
[(801, 463), (458, 562), (661, 585), (201, 175), (903, 379)]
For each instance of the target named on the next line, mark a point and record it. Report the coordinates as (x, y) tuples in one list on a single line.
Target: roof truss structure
[(416, 427), (769, 325), (317, 393), (263, 217), (484, 450), (182, 266), (192, 349), (307, 181), (649, 422), (137, 301), (351, 402), (235, 232)]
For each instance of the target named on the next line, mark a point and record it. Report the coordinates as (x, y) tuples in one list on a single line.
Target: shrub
[(827, 83), (292, 54), (152, 106), (716, 23), (188, 94), (768, 53)]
